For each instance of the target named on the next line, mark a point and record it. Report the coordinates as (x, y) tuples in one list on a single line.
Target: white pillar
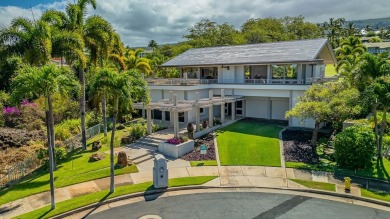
[(185, 75), (211, 113), (143, 113), (269, 74), (149, 120), (197, 112), (171, 118), (233, 111), (223, 106)]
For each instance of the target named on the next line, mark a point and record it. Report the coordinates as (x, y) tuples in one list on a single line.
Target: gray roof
[(382, 45), (278, 52)]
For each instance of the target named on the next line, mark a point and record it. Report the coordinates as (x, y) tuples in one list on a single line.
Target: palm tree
[(95, 31), (350, 46), (134, 60), (116, 87), (153, 44), (44, 81), (29, 39), (351, 29)]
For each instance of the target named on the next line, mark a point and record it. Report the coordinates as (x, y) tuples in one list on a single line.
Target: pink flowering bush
[(28, 116)]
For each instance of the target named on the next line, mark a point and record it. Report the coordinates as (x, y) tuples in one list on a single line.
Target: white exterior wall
[(240, 74), (225, 75), (295, 122)]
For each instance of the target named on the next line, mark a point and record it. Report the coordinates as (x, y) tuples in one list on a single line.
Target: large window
[(284, 71), (191, 72), (209, 73)]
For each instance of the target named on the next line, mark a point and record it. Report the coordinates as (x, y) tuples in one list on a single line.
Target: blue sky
[(24, 3)]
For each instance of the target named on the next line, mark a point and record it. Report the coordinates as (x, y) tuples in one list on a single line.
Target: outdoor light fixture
[(227, 67)]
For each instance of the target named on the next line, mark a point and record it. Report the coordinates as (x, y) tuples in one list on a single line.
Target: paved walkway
[(235, 176)]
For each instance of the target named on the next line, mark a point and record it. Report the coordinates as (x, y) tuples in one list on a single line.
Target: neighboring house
[(257, 80), (376, 48)]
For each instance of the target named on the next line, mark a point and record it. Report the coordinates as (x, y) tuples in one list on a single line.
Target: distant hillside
[(374, 23)]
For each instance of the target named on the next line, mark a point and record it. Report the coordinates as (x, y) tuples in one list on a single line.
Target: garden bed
[(195, 155), (297, 148)]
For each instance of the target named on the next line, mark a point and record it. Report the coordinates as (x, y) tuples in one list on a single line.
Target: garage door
[(279, 108), (257, 108)]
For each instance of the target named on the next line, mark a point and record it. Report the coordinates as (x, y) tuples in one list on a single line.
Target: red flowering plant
[(174, 141)]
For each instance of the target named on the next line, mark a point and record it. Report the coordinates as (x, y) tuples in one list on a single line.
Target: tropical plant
[(44, 81), (134, 60)]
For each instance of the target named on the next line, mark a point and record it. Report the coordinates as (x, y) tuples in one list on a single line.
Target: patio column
[(149, 120), (175, 117), (143, 113), (171, 111), (197, 112), (223, 106), (233, 111), (211, 113)]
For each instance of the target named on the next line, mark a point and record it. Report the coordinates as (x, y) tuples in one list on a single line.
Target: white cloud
[(166, 21)]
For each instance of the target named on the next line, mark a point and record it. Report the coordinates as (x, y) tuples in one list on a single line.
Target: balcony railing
[(189, 82)]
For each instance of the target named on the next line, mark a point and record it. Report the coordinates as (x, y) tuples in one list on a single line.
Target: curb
[(159, 191)]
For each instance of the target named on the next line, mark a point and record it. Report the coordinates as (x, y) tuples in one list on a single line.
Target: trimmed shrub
[(355, 147)]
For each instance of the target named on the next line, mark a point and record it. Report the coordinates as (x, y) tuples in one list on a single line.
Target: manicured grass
[(330, 70), (203, 163), (84, 200), (76, 168), (375, 194), (249, 143), (316, 185), (379, 169)]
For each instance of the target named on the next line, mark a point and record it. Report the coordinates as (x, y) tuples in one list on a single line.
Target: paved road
[(241, 205)]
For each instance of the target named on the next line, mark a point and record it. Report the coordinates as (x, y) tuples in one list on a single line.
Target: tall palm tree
[(116, 87), (350, 46), (95, 31), (44, 81), (134, 60)]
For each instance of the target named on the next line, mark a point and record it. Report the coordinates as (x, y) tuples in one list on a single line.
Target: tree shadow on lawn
[(381, 170)]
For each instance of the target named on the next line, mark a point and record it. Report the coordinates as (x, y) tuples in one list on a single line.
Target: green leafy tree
[(329, 102), (354, 147), (8, 68), (44, 81), (153, 44), (375, 39)]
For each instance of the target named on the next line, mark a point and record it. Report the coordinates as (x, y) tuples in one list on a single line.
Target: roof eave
[(313, 61)]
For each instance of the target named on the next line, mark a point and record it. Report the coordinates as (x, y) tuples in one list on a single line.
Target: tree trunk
[(104, 115), (52, 133), (315, 137), (112, 145), (82, 108), (376, 125), (383, 127), (51, 157)]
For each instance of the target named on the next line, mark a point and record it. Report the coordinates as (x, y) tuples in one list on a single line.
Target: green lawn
[(375, 195), (379, 169), (249, 143), (316, 185), (203, 163), (74, 169), (330, 70), (84, 200)]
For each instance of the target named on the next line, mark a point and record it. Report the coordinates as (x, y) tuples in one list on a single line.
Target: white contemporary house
[(225, 83)]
